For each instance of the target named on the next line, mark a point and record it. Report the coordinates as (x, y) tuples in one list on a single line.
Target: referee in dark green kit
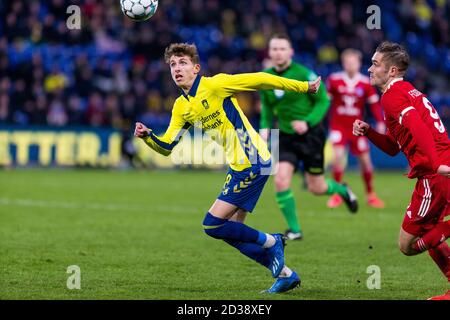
[(302, 136)]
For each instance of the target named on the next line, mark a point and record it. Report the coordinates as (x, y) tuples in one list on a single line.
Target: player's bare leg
[(338, 172), (405, 241), (284, 175), (286, 201), (411, 245), (239, 216), (318, 185), (367, 174), (222, 209)]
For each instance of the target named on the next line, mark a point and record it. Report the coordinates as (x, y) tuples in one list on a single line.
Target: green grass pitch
[(138, 235)]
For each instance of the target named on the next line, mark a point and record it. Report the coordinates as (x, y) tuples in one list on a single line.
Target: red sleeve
[(394, 102), (422, 135), (374, 102), (383, 141)]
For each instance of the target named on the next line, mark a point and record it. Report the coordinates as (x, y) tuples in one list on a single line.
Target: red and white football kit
[(348, 99), (415, 128)]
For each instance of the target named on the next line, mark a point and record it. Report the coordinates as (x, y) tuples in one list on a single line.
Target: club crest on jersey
[(278, 93), (205, 104), (359, 92)]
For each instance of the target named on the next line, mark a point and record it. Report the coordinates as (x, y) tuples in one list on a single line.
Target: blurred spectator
[(4, 108), (328, 53), (57, 115), (75, 110), (40, 113), (423, 13), (55, 81), (95, 113)]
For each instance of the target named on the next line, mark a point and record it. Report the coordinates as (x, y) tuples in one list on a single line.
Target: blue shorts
[(243, 188)]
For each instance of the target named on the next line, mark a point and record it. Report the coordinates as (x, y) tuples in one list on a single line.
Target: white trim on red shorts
[(426, 201)]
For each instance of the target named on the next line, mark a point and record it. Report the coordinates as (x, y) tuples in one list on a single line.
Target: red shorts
[(340, 137), (429, 204)]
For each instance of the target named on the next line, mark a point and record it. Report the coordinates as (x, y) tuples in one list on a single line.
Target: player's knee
[(282, 182), (406, 249), (212, 225), (313, 188), (317, 188)]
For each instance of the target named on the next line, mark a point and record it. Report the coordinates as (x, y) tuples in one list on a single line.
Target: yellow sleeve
[(165, 143), (227, 84)]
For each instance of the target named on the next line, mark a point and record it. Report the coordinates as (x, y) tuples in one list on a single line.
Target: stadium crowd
[(110, 72)]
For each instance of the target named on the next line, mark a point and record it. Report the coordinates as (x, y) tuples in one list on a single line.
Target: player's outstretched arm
[(226, 84), (382, 141)]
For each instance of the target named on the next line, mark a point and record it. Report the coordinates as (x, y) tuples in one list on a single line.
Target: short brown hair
[(394, 55), (182, 49), (281, 36), (351, 51)]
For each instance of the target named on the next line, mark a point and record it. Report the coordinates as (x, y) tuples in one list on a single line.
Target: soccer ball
[(139, 10)]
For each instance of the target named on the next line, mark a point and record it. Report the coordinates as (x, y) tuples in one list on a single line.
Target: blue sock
[(251, 250), (230, 230)]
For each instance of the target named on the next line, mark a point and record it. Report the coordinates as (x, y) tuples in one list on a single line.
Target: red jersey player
[(349, 91), (415, 128)]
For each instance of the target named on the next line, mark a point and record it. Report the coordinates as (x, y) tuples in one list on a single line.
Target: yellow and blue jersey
[(211, 105)]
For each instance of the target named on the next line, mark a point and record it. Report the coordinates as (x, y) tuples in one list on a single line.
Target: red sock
[(441, 256), (367, 176), (433, 238), (338, 173)]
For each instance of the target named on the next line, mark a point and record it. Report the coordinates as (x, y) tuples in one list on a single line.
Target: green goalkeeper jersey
[(289, 106)]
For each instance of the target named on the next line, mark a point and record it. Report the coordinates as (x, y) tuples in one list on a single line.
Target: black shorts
[(307, 148)]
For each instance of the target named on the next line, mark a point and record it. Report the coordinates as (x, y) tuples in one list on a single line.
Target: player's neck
[(390, 81), (187, 87), (351, 75), (282, 67)]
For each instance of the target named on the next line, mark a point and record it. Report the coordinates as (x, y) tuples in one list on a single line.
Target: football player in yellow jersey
[(209, 103)]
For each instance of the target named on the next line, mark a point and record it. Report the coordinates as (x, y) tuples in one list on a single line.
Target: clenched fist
[(140, 130), (313, 86), (299, 126), (360, 128)]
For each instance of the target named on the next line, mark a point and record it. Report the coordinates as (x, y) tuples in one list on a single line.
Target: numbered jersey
[(399, 98), (348, 99)]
